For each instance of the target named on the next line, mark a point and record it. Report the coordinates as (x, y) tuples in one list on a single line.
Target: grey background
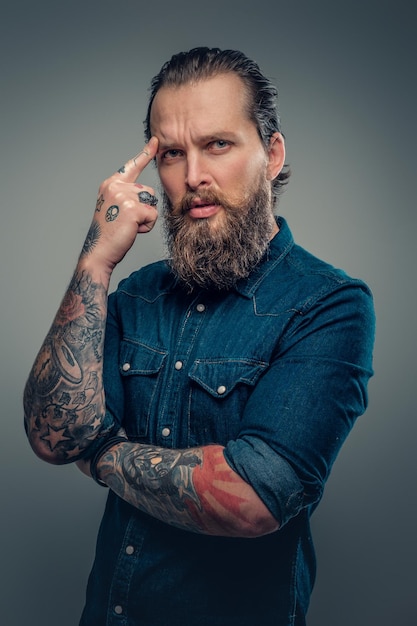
[(73, 90)]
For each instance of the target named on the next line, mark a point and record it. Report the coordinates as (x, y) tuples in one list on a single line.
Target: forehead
[(220, 100)]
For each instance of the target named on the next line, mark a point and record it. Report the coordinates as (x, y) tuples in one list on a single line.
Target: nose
[(197, 174)]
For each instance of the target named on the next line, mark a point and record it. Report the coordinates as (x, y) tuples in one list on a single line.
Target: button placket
[(192, 319), (128, 558)]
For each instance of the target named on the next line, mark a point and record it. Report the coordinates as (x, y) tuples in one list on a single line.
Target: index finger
[(134, 167)]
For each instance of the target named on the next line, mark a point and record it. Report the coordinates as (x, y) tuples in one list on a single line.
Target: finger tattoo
[(147, 198), (112, 213), (144, 151), (122, 169)]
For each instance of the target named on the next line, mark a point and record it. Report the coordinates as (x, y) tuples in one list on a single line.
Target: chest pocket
[(219, 390), (140, 366)]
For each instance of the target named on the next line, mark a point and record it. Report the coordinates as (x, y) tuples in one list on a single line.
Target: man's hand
[(124, 208)]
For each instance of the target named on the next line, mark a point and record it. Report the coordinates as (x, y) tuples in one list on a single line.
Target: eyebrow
[(221, 134)]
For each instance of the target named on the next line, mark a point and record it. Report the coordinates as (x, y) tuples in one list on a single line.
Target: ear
[(276, 155)]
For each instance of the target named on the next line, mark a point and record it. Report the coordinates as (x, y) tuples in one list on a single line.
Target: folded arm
[(194, 489)]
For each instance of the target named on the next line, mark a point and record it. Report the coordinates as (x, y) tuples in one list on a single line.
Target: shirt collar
[(278, 248)]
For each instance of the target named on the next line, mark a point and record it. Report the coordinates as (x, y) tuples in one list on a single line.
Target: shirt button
[(126, 367), (178, 365), (130, 550), (221, 390), (118, 609), (166, 432), (200, 307)]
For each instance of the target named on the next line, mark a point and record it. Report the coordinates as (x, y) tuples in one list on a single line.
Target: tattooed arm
[(64, 400), (194, 489)]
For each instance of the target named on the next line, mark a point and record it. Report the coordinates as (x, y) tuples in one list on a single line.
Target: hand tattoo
[(99, 203), (112, 213)]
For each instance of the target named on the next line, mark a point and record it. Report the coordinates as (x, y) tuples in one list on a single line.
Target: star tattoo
[(99, 203)]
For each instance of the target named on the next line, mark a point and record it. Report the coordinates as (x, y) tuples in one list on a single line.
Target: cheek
[(243, 176), (247, 168), (170, 181)]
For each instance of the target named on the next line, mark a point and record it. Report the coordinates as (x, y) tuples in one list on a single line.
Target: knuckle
[(130, 204), (117, 195)]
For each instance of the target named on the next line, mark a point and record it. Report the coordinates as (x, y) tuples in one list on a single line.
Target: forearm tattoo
[(92, 238), (193, 489), (156, 480), (63, 399)]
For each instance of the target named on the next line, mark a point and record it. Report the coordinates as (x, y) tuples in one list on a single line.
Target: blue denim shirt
[(276, 371)]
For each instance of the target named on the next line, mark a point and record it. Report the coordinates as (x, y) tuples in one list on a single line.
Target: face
[(216, 174)]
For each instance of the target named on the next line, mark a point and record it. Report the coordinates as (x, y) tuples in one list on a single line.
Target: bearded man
[(213, 390)]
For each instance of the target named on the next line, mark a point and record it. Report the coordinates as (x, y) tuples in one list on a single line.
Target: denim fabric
[(276, 371)]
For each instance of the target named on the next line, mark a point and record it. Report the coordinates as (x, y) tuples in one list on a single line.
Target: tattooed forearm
[(156, 480), (193, 489), (63, 399)]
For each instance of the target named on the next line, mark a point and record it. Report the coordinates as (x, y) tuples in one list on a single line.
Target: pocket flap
[(138, 358), (220, 376)]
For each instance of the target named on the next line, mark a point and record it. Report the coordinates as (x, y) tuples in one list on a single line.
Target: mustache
[(203, 197)]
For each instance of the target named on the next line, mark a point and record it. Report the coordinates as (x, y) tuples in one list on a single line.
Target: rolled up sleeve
[(306, 403), (272, 477)]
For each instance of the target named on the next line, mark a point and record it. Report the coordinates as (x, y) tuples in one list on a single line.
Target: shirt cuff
[(269, 474)]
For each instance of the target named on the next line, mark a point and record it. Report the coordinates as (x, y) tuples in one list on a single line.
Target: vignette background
[(74, 79)]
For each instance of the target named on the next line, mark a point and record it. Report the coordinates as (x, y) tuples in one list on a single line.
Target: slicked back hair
[(203, 63)]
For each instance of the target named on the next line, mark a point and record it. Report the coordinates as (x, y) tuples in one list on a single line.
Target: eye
[(170, 155), (219, 145)]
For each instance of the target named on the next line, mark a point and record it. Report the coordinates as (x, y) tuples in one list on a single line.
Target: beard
[(215, 256)]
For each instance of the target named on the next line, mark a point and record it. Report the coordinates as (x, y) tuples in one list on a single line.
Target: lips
[(197, 204), (201, 210)]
